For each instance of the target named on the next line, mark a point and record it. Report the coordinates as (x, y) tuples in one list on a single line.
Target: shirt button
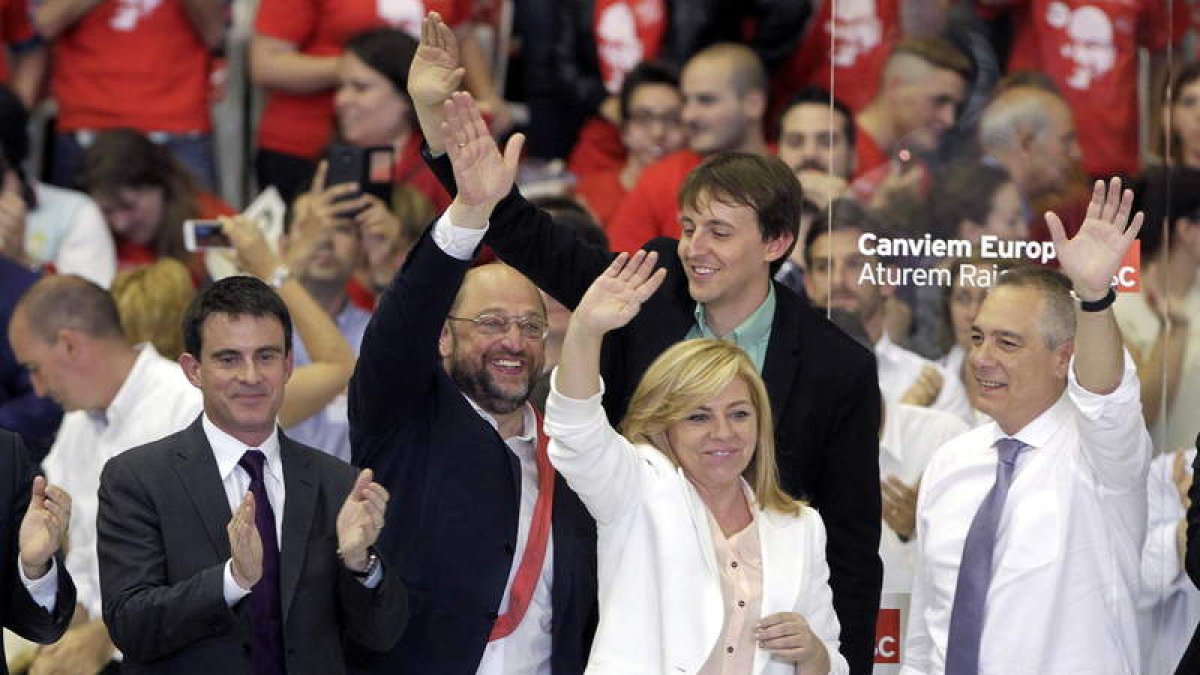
[(729, 649), (733, 564), (741, 603)]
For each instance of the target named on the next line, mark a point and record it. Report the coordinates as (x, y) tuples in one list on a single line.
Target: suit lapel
[(300, 486), (782, 361), (197, 470)]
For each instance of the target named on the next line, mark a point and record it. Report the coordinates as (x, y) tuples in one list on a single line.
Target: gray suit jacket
[(162, 548)]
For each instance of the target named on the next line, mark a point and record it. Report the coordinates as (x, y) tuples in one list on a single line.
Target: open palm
[(482, 174), (616, 296), (436, 70), (1094, 254)]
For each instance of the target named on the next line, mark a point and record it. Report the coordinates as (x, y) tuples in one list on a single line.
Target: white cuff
[(232, 591), (456, 242), (43, 590)]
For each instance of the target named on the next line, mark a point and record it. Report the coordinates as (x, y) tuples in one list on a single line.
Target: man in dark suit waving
[(37, 597), (227, 547), (739, 218)]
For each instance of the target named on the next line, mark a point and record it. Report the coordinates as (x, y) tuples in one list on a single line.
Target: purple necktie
[(266, 613), (975, 570)]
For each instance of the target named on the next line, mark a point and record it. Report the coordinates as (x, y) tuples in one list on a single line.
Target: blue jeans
[(194, 151)]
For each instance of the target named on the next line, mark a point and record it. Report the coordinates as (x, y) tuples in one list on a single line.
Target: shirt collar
[(756, 327), (128, 395), (228, 450), (529, 431), (1037, 433)]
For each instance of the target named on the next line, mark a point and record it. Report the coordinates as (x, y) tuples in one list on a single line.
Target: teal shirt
[(753, 333)]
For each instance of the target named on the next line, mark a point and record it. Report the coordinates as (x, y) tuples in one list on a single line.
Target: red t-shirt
[(599, 148), (1090, 48), (627, 32), (132, 64), (15, 30), (302, 124), (843, 53), (651, 209), (867, 153), (602, 193), (411, 170)]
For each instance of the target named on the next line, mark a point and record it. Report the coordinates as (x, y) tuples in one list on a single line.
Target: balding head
[(724, 99), (493, 343), (1031, 132), (69, 301), (66, 333)]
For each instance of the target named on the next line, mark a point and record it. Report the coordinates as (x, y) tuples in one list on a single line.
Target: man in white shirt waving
[(1030, 528)]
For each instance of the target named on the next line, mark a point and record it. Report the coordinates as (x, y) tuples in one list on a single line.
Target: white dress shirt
[(1068, 548), (899, 368), (1170, 602), (228, 451), (155, 400), (44, 589), (910, 436), (526, 650)]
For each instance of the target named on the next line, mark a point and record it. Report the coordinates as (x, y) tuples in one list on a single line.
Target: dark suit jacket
[(18, 612), (455, 485), (21, 410), (823, 387), (162, 547), (1190, 664)]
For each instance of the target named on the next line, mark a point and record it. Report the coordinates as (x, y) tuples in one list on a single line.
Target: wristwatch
[(279, 277), (372, 564)]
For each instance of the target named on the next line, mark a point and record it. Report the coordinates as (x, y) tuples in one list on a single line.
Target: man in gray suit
[(227, 547)]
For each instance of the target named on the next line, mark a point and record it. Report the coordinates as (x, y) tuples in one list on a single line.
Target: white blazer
[(661, 610)]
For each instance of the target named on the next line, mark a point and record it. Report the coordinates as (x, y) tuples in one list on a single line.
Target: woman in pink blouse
[(706, 566)]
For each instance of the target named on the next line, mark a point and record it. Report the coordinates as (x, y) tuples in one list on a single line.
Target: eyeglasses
[(531, 327), (645, 118)]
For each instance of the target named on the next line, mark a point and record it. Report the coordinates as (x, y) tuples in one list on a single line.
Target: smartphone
[(200, 235), (369, 167)]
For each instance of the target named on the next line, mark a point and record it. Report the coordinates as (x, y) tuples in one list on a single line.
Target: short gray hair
[(1057, 322)]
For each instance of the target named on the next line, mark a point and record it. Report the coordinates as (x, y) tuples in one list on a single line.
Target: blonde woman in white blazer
[(700, 571)]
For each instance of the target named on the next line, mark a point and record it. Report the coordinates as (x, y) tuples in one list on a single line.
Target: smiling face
[(369, 109), (1017, 374), (813, 137), (497, 371), (715, 442), (715, 115), (725, 258), (924, 108), (241, 372)]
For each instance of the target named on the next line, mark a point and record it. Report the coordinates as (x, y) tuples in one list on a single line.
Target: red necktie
[(535, 546)]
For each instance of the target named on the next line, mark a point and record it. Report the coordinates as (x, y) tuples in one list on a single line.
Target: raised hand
[(43, 527), (1094, 254), (615, 297), (245, 545), (12, 218), (360, 520), (483, 175), (436, 70), (253, 253)]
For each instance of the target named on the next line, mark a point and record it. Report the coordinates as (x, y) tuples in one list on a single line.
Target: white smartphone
[(200, 235)]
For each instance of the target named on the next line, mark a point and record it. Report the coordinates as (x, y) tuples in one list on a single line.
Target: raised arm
[(435, 73), (1090, 259), (52, 17), (315, 384)]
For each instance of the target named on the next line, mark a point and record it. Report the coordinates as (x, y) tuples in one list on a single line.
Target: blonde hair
[(151, 301), (689, 375)]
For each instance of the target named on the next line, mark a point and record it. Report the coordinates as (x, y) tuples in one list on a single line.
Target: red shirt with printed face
[(1090, 48), (627, 32), (302, 124), (843, 53), (134, 64)]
